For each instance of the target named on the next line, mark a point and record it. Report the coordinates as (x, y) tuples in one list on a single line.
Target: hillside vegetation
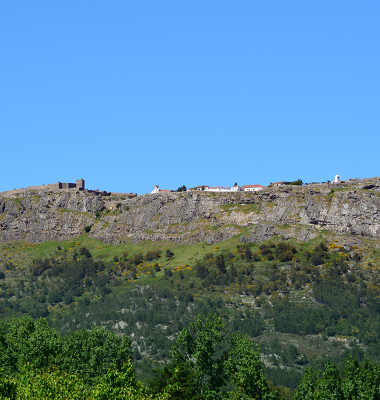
[(303, 303)]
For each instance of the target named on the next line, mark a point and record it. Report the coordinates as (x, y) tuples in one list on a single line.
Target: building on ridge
[(158, 190), (78, 185), (336, 180), (252, 188)]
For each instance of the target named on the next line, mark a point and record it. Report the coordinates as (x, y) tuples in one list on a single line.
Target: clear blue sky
[(129, 94)]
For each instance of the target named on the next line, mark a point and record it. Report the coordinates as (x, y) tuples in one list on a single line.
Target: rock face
[(189, 217)]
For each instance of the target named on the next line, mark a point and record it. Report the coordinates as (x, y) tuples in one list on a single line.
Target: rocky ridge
[(189, 217)]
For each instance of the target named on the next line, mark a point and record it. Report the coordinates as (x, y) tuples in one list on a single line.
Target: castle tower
[(80, 184)]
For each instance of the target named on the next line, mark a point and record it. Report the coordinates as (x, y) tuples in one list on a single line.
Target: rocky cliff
[(297, 211)]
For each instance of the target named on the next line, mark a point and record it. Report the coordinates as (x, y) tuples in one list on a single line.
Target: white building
[(252, 188), (217, 188), (204, 187), (337, 179), (158, 190), (234, 189)]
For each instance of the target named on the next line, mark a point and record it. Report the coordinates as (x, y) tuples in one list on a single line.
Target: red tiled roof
[(277, 183), (163, 190)]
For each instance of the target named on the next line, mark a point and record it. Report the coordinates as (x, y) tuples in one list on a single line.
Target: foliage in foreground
[(86, 353), (94, 364), (208, 363)]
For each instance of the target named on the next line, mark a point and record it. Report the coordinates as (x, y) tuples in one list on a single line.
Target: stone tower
[(80, 184)]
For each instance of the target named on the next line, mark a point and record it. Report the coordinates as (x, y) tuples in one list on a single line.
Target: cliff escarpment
[(296, 211)]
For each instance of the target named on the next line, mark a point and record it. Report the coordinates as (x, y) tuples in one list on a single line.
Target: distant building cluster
[(237, 188), (206, 188)]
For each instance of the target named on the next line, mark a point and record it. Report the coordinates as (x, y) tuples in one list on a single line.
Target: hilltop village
[(79, 186), (245, 188)]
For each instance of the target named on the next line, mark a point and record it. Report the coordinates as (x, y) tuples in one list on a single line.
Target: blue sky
[(129, 94)]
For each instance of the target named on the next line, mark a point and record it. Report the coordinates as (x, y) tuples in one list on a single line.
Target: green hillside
[(303, 303)]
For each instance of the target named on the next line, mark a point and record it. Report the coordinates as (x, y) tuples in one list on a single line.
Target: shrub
[(201, 271), (182, 189), (86, 229), (137, 259), (317, 259), (221, 264), (208, 256), (68, 299), (84, 251), (248, 254), (152, 255), (297, 182), (266, 251), (286, 256), (169, 254), (168, 272)]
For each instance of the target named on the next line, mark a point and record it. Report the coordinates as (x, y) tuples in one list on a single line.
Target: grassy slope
[(314, 346)]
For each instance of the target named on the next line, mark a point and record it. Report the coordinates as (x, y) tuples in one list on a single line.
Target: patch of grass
[(245, 208), (65, 210), (18, 200)]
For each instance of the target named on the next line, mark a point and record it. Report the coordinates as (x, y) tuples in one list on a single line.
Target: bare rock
[(190, 217)]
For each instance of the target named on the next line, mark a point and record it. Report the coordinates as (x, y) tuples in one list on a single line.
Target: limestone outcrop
[(294, 211)]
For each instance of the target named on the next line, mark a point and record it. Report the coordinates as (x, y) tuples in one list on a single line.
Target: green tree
[(203, 350), (329, 386), (179, 373), (25, 340), (49, 385), (91, 353), (246, 371), (119, 384), (8, 387), (359, 381), (219, 360), (362, 381), (307, 386)]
